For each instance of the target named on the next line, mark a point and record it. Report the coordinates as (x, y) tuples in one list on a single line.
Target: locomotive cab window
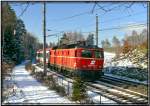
[(86, 53), (98, 54)]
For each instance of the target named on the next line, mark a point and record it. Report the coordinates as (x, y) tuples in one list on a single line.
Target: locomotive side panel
[(52, 56), (71, 59), (83, 61)]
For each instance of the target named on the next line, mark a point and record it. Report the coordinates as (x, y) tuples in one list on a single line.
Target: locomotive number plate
[(92, 62)]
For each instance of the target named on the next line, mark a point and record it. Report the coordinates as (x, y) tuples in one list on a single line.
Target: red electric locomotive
[(85, 61)]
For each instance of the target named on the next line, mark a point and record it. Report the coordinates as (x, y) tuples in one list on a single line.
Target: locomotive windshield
[(98, 54), (86, 53)]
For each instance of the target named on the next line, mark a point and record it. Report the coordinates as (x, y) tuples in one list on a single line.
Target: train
[(75, 60)]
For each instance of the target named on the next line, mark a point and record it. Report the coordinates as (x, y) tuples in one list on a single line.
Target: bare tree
[(116, 45), (90, 39)]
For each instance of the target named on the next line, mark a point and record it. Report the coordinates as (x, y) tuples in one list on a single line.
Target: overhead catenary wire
[(120, 27), (25, 9), (114, 19), (93, 8), (132, 25), (129, 5), (56, 34), (89, 12), (83, 13), (101, 7)]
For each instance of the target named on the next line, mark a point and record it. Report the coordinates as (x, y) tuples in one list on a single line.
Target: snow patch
[(31, 91)]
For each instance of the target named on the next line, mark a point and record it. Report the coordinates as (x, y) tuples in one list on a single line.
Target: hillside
[(134, 58), (132, 64)]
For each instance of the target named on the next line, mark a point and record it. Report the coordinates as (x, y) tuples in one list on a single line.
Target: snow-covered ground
[(29, 90)]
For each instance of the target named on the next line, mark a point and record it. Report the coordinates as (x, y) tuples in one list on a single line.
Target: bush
[(39, 76), (33, 70), (28, 66), (50, 81), (7, 66), (60, 90), (79, 90)]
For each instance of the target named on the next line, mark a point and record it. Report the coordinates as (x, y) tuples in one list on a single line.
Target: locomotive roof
[(69, 46)]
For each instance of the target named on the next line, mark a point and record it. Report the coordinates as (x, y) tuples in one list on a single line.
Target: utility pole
[(96, 30), (44, 35), (58, 40)]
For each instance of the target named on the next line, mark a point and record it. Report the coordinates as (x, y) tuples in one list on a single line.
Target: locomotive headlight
[(74, 64)]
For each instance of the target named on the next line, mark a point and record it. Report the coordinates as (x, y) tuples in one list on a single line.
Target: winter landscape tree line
[(17, 43), (128, 43), (71, 38)]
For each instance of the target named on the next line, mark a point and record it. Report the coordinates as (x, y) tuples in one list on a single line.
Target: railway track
[(113, 92), (118, 94), (109, 77), (128, 85)]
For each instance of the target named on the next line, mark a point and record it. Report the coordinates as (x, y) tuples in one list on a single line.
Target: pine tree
[(8, 38), (31, 45), (19, 36), (79, 90)]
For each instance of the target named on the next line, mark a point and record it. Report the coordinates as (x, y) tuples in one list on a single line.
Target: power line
[(111, 28), (132, 25), (129, 5), (56, 34), (24, 10), (144, 5), (93, 8), (118, 18), (121, 27), (83, 13), (114, 19), (101, 7), (106, 10)]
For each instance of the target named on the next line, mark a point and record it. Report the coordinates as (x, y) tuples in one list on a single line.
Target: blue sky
[(57, 12)]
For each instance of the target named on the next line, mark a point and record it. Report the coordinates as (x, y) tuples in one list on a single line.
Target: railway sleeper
[(124, 95)]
